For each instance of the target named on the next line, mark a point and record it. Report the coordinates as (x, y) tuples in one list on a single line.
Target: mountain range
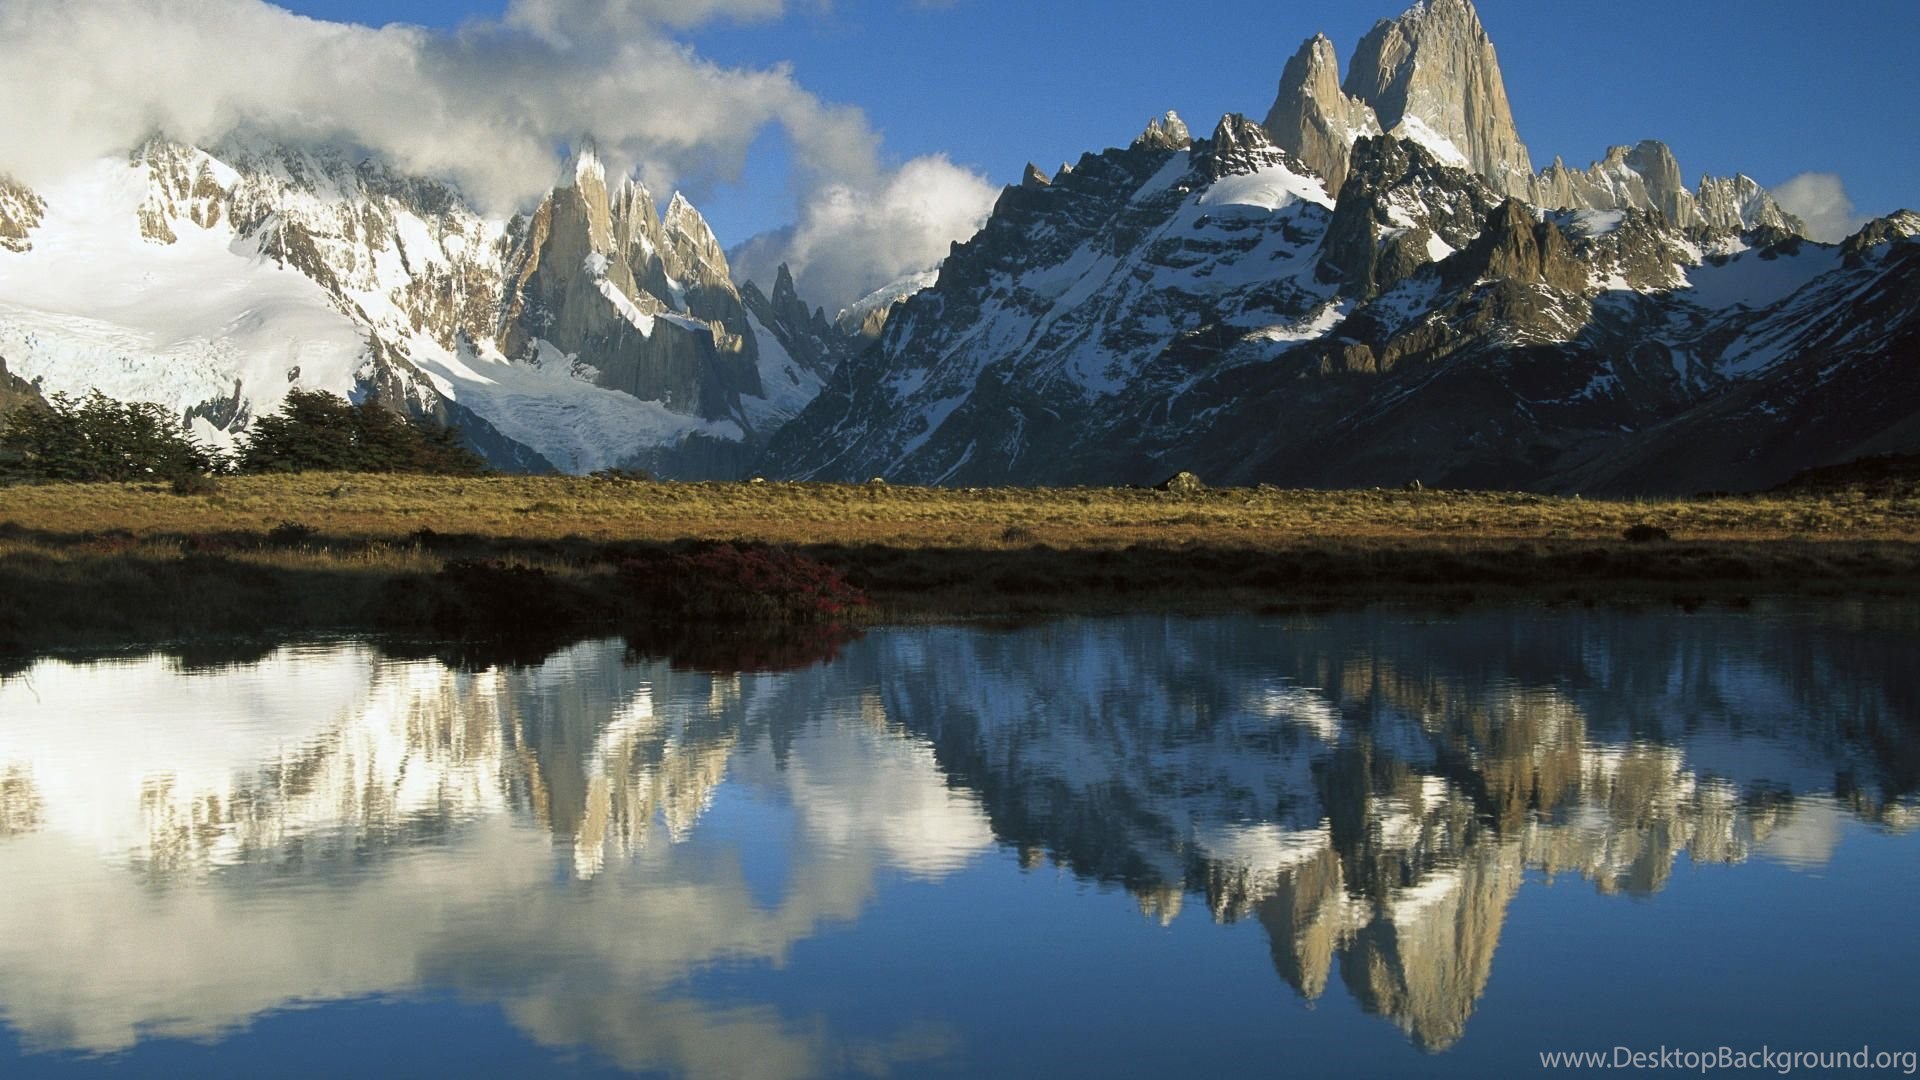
[(595, 331), (1370, 286)]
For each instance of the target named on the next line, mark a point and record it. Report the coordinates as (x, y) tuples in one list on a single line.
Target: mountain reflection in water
[(185, 852)]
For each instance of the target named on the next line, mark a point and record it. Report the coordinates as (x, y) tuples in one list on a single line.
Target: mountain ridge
[(1370, 286), (591, 331), (1438, 312)]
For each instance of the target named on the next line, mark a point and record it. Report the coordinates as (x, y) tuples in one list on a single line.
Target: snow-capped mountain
[(1371, 286), (1436, 312), (594, 332)]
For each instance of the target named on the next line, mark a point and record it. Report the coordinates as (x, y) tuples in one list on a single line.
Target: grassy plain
[(315, 552)]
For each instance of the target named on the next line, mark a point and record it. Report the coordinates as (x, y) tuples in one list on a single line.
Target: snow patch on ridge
[(1755, 279), (1414, 129), (1266, 190), (628, 310)]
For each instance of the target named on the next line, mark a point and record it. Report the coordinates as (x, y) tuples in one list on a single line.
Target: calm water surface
[(1364, 844)]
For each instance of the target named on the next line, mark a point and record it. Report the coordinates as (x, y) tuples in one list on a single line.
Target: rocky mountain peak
[(585, 167), (1165, 133), (1517, 246), (1312, 118), (804, 335), (784, 294), (1032, 177), (1655, 163), (867, 317), (21, 211), (584, 188), (1902, 226), (694, 252), (1738, 204), (1647, 177), (1642, 177), (184, 185), (1899, 225), (636, 220), (1400, 209), (1239, 147), (1432, 76)]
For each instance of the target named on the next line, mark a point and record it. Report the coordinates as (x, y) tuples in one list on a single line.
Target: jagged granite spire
[(1432, 76), (1666, 189), (1313, 119), (1166, 133), (694, 252), (803, 333), (591, 272), (1647, 177), (1643, 177), (1238, 147), (1739, 204)]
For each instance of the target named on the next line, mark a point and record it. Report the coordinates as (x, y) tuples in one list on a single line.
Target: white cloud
[(853, 238), (487, 106), (1820, 200)]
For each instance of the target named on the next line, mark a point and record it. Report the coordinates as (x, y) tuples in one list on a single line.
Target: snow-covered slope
[(1066, 306), (867, 316), (96, 304), (1209, 308), (215, 282)]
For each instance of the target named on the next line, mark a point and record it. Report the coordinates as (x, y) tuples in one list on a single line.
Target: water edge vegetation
[(306, 553)]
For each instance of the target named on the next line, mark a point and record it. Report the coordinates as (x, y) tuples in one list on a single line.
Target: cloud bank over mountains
[(1821, 200), (488, 106)]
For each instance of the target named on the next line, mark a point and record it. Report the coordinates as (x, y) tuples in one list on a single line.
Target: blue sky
[(1771, 89)]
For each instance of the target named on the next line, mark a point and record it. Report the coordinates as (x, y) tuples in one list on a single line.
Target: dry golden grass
[(296, 554), (552, 508)]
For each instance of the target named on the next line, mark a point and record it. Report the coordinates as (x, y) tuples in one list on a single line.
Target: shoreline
[(93, 566)]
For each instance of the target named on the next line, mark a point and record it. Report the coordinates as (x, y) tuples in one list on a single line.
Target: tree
[(317, 431), (99, 439)]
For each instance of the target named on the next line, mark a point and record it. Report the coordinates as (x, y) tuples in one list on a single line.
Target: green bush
[(96, 438), (320, 432)]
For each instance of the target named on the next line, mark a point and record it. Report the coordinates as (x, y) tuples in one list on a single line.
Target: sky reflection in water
[(1362, 842)]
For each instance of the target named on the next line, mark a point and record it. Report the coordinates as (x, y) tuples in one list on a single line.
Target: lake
[(1365, 843)]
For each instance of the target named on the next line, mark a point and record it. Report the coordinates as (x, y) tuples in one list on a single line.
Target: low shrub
[(753, 584), (291, 534), (195, 483)]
